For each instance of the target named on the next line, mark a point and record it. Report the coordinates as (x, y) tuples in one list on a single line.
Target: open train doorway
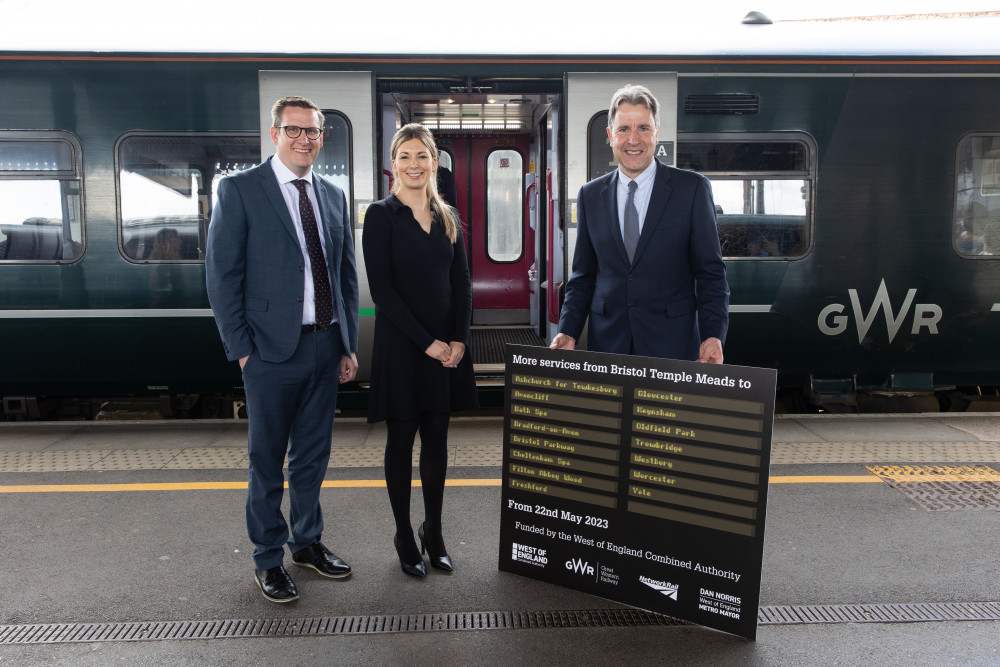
[(497, 147)]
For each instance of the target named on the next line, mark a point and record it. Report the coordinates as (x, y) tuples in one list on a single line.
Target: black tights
[(433, 428)]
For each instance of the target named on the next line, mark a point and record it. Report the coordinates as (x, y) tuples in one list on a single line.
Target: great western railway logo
[(832, 321), (580, 566)]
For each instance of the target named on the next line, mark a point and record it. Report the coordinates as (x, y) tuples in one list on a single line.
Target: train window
[(600, 159), (445, 160), (446, 177), (976, 230), (40, 205), (166, 189), (334, 161), (504, 205), (762, 187)]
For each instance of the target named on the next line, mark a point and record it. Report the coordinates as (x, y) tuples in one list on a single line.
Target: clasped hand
[(449, 354)]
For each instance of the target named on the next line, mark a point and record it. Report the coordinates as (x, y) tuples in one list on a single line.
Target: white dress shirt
[(643, 191)]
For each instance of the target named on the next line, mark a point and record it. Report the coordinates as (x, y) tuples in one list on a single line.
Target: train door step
[(489, 344)]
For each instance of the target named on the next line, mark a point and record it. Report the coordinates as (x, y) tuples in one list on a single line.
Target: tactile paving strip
[(357, 457), (137, 459), (52, 461), (460, 453), (944, 488), (205, 458), (884, 452), (478, 455)]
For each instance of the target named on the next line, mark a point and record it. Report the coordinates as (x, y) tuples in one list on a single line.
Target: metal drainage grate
[(67, 633), (77, 633), (879, 613)]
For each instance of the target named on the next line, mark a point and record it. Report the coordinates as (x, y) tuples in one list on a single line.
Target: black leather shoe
[(276, 585), (413, 566), (438, 559), (321, 559)]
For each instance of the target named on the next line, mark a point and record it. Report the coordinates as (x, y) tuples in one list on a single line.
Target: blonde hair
[(438, 206)]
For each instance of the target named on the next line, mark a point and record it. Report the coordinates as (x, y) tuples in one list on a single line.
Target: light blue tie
[(631, 222)]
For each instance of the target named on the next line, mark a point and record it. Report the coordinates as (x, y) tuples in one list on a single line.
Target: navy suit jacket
[(673, 295), (254, 265)]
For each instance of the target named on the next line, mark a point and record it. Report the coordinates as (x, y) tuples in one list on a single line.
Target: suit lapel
[(657, 205), (326, 216), (326, 213), (609, 193), (269, 185)]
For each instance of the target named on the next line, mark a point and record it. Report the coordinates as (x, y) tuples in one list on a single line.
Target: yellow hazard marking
[(924, 474), (99, 488), (470, 482), (354, 484), (215, 486), (823, 479)]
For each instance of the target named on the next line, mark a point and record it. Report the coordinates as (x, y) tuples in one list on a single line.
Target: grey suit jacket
[(254, 266)]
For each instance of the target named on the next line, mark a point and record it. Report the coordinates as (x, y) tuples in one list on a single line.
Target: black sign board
[(640, 480)]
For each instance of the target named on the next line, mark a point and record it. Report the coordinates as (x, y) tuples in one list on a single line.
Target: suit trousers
[(290, 407)]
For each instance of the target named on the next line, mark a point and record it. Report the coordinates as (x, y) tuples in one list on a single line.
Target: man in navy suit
[(647, 270), (283, 285)]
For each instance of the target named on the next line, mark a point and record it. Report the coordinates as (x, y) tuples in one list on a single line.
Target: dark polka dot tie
[(321, 278)]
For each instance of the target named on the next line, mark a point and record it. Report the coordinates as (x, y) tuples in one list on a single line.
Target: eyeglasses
[(293, 131)]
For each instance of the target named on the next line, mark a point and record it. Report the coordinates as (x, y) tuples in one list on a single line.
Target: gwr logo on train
[(833, 322)]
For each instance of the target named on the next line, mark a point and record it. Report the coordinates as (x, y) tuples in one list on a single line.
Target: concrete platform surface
[(82, 549)]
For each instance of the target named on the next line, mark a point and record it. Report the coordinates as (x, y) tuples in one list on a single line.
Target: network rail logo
[(664, 587)]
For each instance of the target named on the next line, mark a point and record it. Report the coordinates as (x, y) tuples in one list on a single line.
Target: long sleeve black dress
[(422, 291)]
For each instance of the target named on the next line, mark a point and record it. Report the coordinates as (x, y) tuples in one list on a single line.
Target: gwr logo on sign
[(925, 315), (579, 566)]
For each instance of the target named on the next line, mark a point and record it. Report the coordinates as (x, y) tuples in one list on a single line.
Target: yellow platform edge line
[(354, 484), (824, 479)]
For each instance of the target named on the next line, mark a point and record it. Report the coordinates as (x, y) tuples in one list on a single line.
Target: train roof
[(452, 28)]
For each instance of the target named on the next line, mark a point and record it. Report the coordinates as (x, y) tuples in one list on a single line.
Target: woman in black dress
[(421, 370)]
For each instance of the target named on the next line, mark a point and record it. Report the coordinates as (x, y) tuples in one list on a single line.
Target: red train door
[(489, 176)]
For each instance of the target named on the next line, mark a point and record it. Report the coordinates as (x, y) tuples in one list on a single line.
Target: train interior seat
[(991, 236), (742, 235), (33, 240), (174, 239)]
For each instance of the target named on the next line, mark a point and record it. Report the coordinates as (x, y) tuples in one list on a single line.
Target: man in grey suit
[(283, 285), (647, 270)]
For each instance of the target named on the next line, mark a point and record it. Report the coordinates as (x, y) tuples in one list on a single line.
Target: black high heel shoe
[(441, 561), (415, 568)]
